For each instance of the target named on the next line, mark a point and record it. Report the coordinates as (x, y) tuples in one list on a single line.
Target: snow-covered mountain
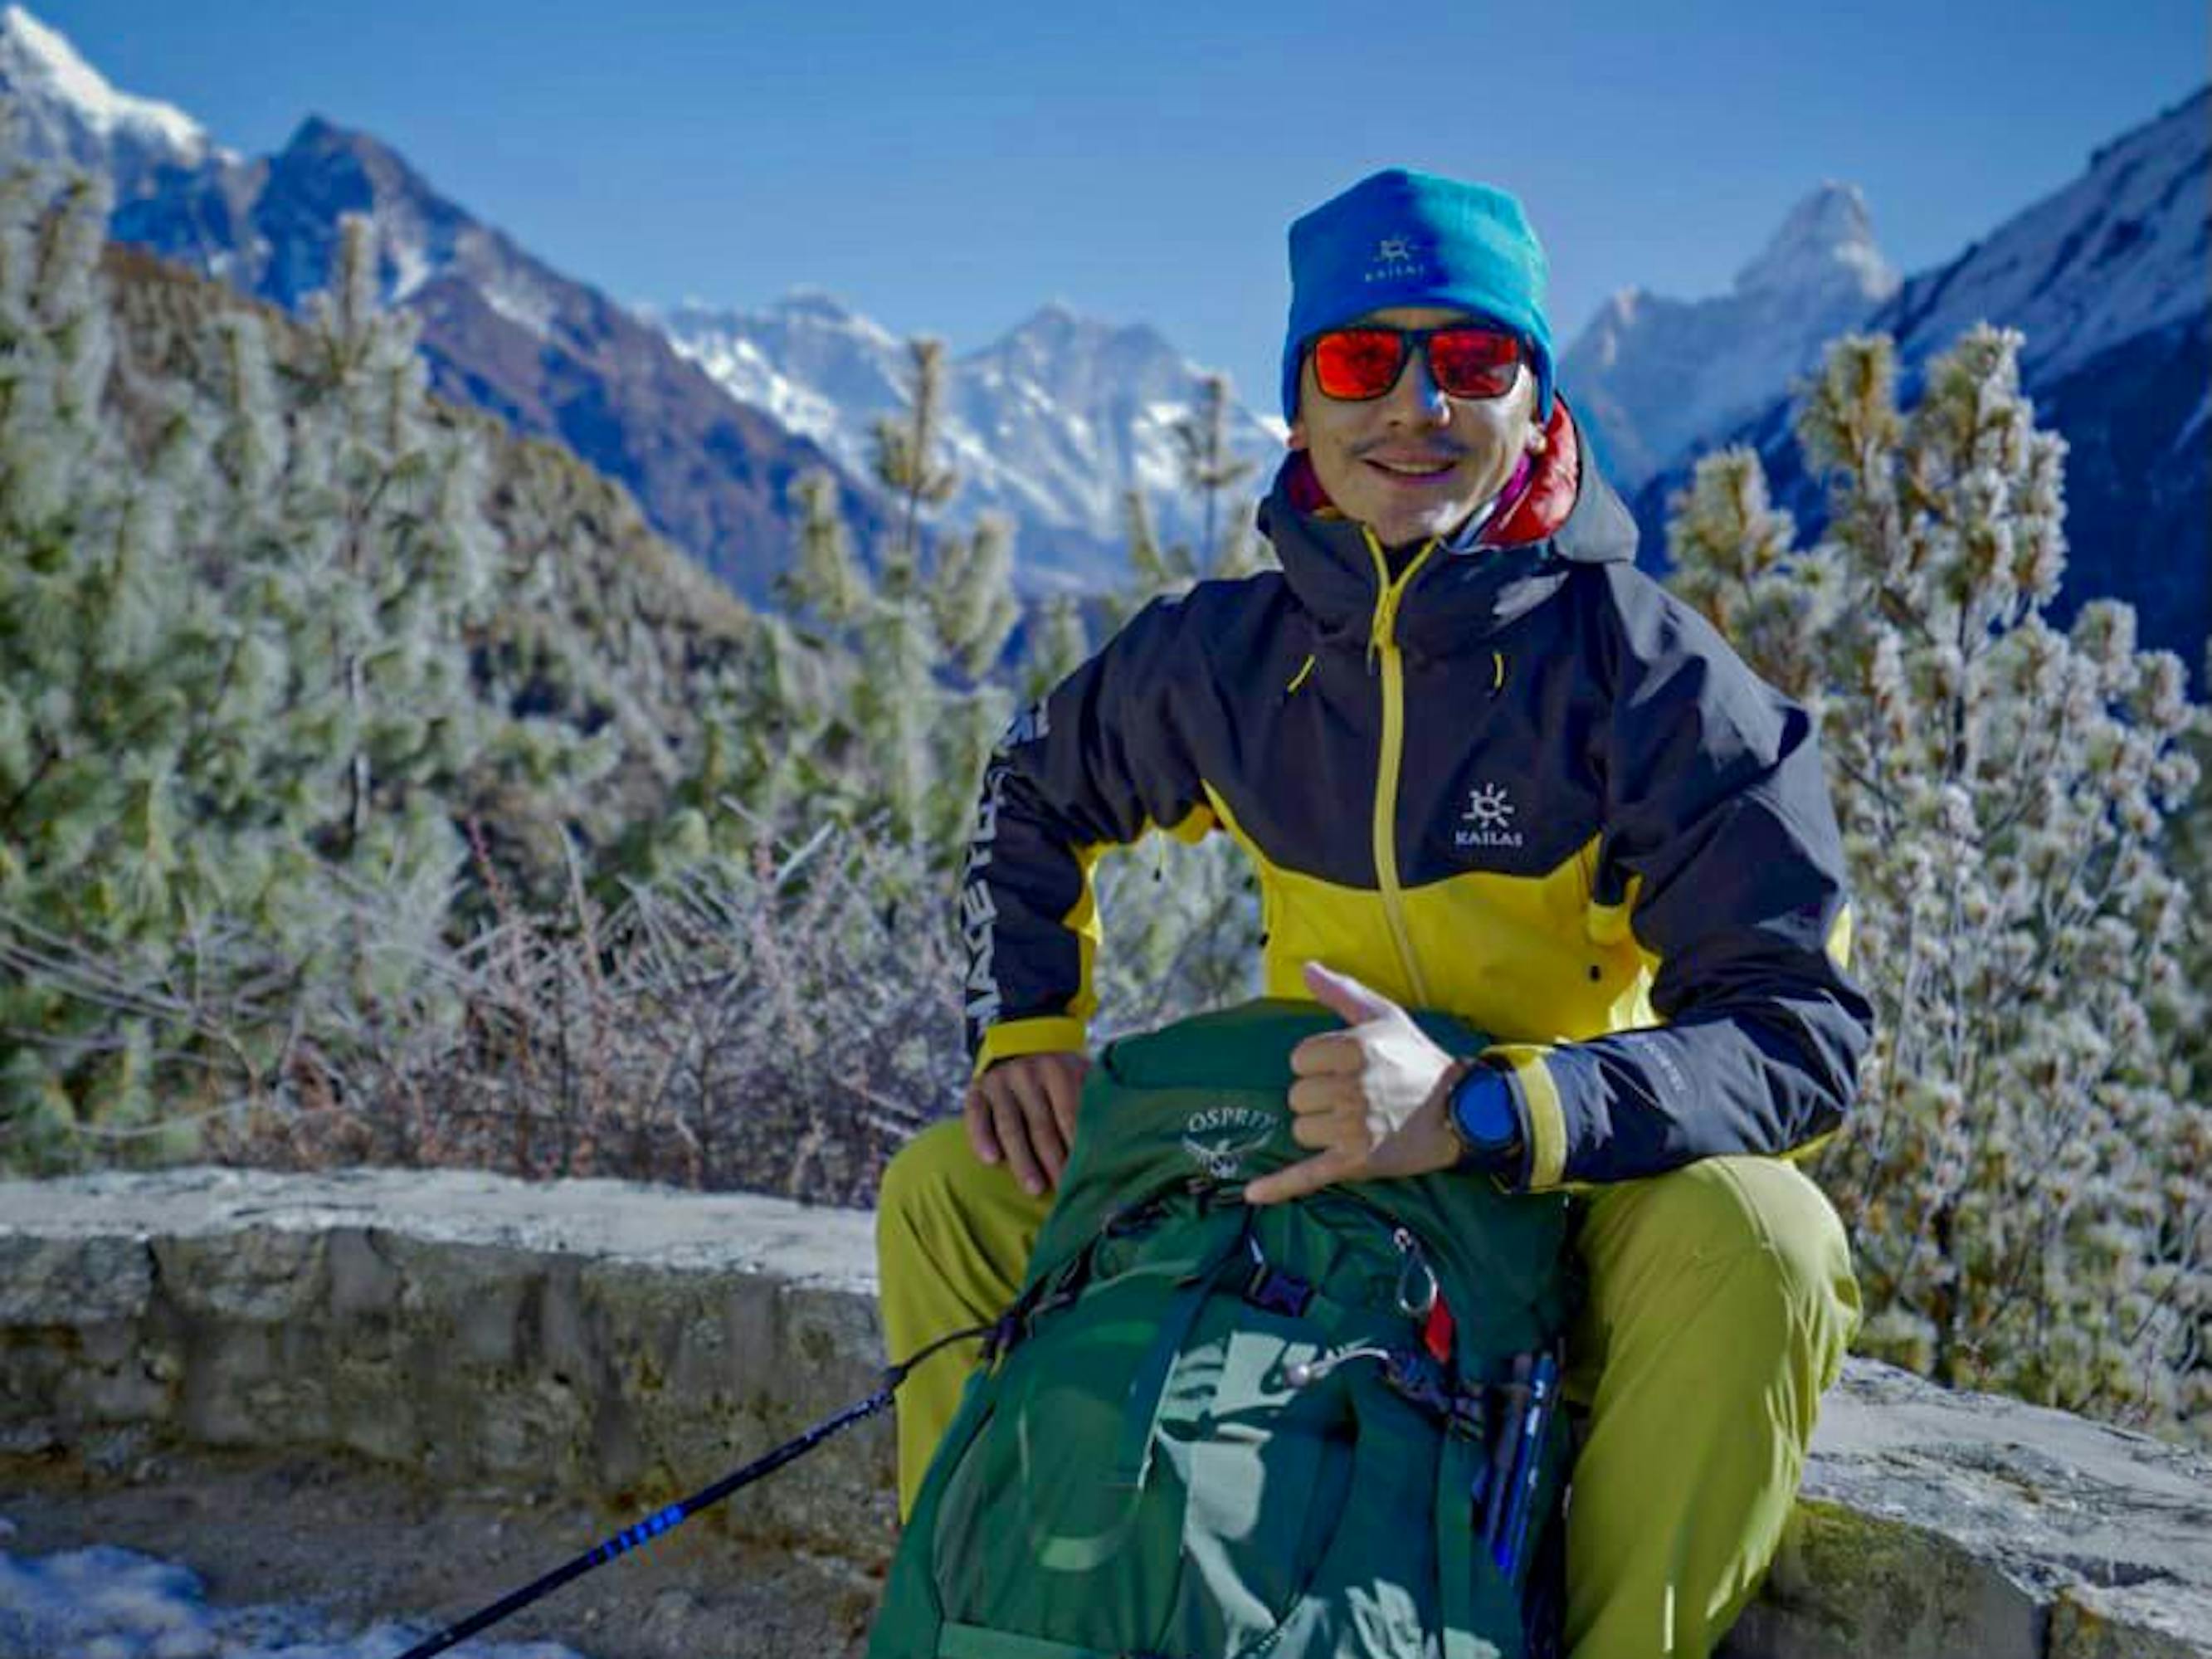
[(1050, 424), (1653, 375), (816, 365), (2119, 253), (500, 329), (708, 418), (2109, 279), (69, 112)]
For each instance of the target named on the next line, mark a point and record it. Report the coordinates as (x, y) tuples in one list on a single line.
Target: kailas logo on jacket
[(1488, 820)]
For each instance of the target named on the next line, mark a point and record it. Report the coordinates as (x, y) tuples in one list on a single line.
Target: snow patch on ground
[(410, 266), (110, 1603), (522, 303)]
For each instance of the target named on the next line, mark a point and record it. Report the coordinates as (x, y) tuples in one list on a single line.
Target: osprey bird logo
[(1218, 1139)]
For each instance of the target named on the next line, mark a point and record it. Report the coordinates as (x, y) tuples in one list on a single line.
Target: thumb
[(1346, 996)]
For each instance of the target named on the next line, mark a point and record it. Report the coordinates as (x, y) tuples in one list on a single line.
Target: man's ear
[(1297, 435)]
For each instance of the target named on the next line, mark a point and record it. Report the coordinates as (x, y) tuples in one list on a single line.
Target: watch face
[(1484, 1112)]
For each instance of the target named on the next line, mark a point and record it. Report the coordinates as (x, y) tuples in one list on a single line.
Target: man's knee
[(1801, 1240), (1787, 1261)]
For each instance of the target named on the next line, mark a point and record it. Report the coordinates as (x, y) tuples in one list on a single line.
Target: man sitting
[(1484, 766)]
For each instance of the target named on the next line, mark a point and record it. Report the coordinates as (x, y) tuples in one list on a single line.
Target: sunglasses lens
[(1473, 362), (1358, 362)]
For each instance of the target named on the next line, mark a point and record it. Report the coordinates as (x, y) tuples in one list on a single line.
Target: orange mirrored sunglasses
[(1364, 362)]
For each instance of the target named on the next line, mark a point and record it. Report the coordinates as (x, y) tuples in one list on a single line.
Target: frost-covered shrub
[(2027, 1176), (777, 1020), (239, 605)]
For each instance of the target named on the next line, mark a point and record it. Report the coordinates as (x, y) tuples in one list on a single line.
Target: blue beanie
[(1398, 238)]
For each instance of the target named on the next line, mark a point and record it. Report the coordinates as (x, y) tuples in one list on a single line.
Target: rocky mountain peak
[(815, 304), (1655, 373), (1827, 242), (1059, 346), (1053, 329), (320, 144), (319, 133)]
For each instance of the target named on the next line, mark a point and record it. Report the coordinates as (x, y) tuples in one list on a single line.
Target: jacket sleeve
[(1095, 763), (1721, 836)]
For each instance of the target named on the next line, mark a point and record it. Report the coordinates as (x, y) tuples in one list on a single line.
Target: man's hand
[(1366, 1098), (1022, 1112)]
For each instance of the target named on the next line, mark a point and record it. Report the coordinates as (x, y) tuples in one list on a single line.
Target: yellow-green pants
[(1721, 1302)]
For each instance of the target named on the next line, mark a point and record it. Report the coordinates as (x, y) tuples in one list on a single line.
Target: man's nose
[(1417, 399)]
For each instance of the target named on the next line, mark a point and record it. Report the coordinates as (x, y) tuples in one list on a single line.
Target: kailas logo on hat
[(1397, 259)]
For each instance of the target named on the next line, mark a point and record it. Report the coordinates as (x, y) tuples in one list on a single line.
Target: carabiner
[(1415, 1298)]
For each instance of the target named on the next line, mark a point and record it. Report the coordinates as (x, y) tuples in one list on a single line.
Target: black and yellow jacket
[(1515, 780)]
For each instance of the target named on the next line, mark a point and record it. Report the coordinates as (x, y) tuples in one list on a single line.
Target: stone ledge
[(622, 1343), (617, 1342)]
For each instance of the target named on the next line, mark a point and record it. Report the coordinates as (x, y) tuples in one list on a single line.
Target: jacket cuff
[(1048, 1034), (1537, 1092)]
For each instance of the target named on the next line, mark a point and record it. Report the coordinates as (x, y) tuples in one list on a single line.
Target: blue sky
[(948, 168)]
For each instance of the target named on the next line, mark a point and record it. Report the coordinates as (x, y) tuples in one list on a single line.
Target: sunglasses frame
[(1409, 341)]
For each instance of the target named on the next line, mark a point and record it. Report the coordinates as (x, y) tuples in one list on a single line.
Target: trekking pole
[(676, 1513)]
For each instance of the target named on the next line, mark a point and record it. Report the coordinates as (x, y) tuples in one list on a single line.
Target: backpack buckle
[(1271, 1290), (1418, 1378)]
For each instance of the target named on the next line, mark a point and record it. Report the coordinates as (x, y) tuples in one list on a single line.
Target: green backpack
[(1316, 1430)]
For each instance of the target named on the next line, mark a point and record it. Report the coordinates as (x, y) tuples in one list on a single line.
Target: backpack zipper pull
[(1300, 1373)]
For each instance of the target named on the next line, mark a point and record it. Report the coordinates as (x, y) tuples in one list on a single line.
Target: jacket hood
[(1557, 512)]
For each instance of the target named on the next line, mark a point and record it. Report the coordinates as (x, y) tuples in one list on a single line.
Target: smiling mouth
[(1412, 469)]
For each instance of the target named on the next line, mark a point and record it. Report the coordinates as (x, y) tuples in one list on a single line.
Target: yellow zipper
[(1382, 642)]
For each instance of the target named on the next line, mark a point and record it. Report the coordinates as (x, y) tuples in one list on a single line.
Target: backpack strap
[(1058, 1287), (1456, 1531), (1140, 1419)]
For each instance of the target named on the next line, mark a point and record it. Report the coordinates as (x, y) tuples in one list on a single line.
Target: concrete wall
[(627, 1344)]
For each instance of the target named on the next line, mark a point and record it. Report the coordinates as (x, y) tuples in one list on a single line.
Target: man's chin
[(1399, 535)]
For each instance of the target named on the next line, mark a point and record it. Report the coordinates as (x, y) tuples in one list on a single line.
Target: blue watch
[(1486, 1120)]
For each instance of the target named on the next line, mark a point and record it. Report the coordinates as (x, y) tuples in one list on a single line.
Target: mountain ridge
[(1051, 423), (1653, 374), (118, 131), (499, 329), (708, 414)]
